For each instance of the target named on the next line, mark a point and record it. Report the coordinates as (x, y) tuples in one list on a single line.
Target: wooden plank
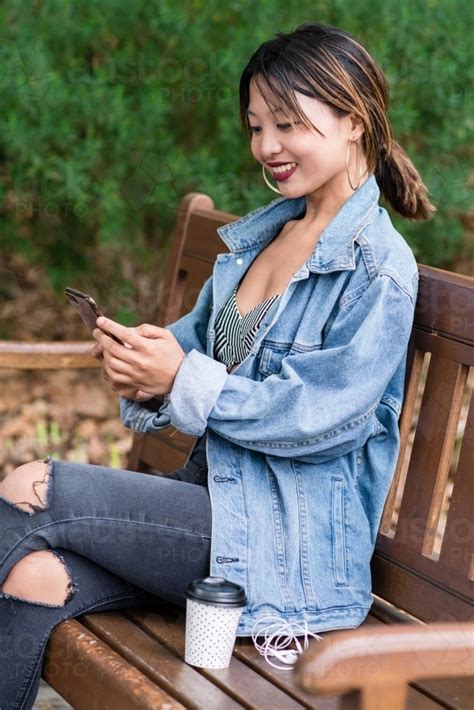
[(439, 582), (203, 241), (91, 676), (439, 345), (457, 548), (246, 686), (445, 303), (163, 451), (246, 652), (453, 693), (157, 662), (408, 587), (170, 306), (414, 365), (431, 455), (22, 355)]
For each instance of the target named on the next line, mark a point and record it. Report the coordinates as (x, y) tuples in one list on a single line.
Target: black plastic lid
[(216, 591)]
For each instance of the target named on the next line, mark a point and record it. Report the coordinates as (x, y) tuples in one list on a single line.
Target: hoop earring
[(358, 165), (269, 185)]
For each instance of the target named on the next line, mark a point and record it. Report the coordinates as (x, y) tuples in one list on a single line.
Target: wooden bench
[(416, 647)]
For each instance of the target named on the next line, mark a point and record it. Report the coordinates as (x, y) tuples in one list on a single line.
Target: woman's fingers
[(97, 351), (118, 387), (127, 391), (121, 389), (142, 396)]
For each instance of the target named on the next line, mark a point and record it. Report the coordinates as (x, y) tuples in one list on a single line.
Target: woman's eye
[(282, 126)]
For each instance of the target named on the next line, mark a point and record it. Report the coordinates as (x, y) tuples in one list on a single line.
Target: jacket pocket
[(338, 532), (271, 358)]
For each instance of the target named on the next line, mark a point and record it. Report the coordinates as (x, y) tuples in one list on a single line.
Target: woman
[(289, 369)]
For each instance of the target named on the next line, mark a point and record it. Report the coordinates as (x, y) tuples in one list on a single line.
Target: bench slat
[(163, 451), (457, 546), (438, 345), (409, 585), (431, 455), (415, 359), (19, 355), (445, 304), (249, 688), (157, 662), (79, 666)]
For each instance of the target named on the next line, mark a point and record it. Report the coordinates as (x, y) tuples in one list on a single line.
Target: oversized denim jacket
[(302, 437)]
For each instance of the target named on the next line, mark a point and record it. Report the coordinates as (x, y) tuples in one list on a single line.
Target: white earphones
[(281, 634)]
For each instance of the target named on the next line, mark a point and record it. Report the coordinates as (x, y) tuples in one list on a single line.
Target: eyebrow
[(279, 110)]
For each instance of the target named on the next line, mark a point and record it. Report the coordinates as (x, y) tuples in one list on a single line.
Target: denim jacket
[(302, 437)]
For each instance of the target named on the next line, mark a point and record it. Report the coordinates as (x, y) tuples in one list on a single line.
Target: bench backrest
[(424, 561), (425, 572)]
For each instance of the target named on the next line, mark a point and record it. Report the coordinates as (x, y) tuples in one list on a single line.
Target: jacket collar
[(335, 247)]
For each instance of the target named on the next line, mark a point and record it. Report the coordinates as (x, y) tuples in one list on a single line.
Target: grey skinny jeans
[(127, 539)]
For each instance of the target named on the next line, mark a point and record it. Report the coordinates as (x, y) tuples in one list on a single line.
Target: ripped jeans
[(126, 539)]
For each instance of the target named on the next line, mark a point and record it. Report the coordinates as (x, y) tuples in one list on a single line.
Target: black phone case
[(87, 308)]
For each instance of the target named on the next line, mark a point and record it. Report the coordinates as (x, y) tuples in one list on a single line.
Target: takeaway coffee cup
[(213, 609)]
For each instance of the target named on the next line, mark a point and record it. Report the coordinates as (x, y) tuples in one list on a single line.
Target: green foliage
[(110, 112)]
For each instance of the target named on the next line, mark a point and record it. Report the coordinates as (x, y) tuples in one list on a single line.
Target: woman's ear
[(356, 129)]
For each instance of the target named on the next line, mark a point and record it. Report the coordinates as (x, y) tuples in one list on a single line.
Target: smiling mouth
[(283, 172)]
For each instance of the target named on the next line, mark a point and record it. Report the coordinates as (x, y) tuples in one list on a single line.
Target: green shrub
[(110, 112)]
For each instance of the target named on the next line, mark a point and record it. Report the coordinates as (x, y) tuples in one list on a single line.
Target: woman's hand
[(147, 362), (128, 392)]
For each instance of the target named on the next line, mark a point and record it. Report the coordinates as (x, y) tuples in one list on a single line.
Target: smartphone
[(87, 308)]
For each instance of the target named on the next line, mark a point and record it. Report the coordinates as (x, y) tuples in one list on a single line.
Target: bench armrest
[(59, 355), (372, 659)]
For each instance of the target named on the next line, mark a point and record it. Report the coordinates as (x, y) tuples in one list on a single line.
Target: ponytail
[(401, 184)]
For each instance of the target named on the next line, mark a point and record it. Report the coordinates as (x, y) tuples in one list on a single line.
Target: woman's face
[(320, 157)]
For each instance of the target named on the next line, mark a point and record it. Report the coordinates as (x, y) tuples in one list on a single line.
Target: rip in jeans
[(71, 589), (36, 508)]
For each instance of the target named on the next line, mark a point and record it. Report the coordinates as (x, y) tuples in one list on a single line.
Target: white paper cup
[(213, 609)]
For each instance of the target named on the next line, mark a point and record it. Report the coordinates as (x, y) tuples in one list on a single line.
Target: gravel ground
[(49, 700)]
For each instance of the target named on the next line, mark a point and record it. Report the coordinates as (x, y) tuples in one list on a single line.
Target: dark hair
[(326, 63)]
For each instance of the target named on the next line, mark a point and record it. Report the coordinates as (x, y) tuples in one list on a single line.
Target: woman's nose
[(270, 146)]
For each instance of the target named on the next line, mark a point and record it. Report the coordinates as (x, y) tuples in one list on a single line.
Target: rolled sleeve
[(196, 388), (145, 417)]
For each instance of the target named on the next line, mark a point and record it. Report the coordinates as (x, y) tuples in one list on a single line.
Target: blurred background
[(110, 112)]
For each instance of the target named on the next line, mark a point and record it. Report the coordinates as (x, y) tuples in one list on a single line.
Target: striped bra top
[(234, 333)]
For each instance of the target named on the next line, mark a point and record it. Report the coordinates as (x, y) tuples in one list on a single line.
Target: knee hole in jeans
[(29, 481), (42, 578)]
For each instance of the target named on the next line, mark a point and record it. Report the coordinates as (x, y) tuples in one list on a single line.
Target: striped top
[(234, 333)]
